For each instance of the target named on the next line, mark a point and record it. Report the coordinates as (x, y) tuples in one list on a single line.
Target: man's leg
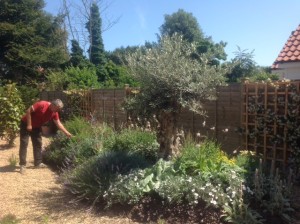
[(36, 137), (24, 137)]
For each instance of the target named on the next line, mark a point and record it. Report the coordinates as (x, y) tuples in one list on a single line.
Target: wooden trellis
[(86, 103), (270, 116)]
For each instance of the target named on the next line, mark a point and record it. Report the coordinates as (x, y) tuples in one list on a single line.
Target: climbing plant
[(272, 120)]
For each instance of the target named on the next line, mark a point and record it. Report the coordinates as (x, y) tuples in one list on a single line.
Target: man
[(37, 115)]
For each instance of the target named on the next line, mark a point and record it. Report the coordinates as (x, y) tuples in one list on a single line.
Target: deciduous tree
[(183, 23), (186, 24)]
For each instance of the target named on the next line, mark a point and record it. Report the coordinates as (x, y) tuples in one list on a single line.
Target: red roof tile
[(291, 50)]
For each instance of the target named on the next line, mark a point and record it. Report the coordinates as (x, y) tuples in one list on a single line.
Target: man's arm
[(28, 117), (62, 128)]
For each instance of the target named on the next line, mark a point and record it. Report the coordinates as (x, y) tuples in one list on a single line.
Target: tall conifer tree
[(77, 58), (29, 38), (94, 25)]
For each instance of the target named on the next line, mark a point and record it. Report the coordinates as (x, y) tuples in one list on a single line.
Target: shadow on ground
[(150, 210), (8, 168), (6, 146)]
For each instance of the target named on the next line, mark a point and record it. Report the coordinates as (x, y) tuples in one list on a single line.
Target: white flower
[(213, 202)]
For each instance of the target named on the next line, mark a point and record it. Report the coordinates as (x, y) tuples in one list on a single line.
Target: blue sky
[(260, 25)]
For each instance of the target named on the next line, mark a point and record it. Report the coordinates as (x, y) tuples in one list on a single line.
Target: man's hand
[(62, 128), (69, 135), (29, 128)]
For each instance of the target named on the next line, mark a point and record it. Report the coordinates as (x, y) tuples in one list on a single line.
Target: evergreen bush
[(12, 109)]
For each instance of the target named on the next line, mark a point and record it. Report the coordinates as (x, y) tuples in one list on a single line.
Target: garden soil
[(37, 197)]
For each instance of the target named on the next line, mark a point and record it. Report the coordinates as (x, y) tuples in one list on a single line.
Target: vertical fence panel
[(222, 120)]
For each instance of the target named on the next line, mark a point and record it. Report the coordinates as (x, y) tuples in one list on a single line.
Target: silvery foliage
[(173, 75)]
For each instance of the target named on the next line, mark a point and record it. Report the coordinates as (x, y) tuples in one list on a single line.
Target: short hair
[(57, 103)]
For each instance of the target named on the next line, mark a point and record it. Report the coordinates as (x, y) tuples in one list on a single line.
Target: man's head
[(56, 105)]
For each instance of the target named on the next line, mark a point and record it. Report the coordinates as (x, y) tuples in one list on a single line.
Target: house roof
[(291, 50)]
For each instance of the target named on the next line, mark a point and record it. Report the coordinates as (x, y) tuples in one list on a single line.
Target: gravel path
[(37, 196)]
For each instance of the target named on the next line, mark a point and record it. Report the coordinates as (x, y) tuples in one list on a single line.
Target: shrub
[(201, 173), (79, 127), (87, 141), (65, 153), (12, 109), (206, 157), (174, 187), (135, 141), (56, 151), (73, 78), (248, 161), (273, 193), (29, 95), (93, 178)]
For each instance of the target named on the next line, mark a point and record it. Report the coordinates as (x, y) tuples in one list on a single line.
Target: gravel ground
[(37, 197)]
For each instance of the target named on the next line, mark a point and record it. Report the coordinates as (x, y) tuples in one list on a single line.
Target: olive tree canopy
[(171, 79)]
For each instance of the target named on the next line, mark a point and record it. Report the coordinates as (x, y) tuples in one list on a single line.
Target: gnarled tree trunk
[(167, 134)]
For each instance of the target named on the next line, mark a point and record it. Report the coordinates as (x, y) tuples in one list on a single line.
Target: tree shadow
[(62, 203), (8, 168), (6, 146), (148, 211)]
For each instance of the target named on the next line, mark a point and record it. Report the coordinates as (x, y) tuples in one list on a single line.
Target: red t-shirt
[(41, 114)]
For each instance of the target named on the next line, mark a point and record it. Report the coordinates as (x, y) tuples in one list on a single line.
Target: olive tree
[(171, 79)]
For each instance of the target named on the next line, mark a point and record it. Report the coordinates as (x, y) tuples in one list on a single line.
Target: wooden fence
[(261, 117), (223, 118), (105, 105)]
